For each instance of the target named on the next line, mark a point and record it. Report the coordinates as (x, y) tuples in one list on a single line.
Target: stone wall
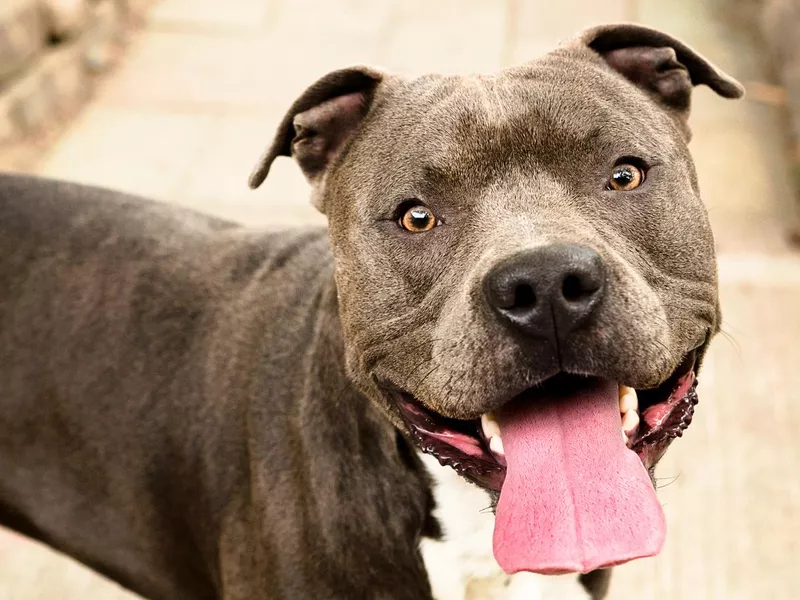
[(776, 23), (50, 54), (780, 26), (780, 23)]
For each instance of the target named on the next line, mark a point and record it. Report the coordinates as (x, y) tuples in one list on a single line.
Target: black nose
[(547, 292)]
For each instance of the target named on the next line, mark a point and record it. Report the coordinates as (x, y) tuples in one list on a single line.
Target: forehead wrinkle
[(457, 130), (595, 91), (488, 98), (562, 126), (469, 130)]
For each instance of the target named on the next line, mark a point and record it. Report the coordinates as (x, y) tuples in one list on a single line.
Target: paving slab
[(447, 36), (217, 181), (138, 152), (535, 27), (198, 97)]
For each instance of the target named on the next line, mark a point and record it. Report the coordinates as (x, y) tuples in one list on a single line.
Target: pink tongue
[(575, 498)]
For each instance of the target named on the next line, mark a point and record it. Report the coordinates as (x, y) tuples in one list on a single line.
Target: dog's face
[(506, 237)]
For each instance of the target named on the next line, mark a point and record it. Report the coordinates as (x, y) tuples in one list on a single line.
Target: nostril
[(576, 288), (524, 297), (572, 288)]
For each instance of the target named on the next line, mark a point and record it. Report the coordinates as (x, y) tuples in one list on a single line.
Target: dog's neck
[(360, 477)]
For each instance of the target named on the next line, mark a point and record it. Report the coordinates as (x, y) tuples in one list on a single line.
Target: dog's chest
[(461, 566)]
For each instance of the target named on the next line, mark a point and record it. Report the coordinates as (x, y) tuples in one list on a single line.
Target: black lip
[(420, 422), (652, 442), (652, 396)]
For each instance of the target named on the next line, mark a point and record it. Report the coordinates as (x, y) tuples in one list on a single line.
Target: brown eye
[(417, 219), (625, 178)]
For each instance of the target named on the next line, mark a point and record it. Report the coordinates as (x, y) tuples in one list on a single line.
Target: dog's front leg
[(596, 583), (265, 559)]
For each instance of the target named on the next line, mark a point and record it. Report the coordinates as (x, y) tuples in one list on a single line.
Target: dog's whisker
[(428, 374), (732, 341), (669, 483), (392, 343)]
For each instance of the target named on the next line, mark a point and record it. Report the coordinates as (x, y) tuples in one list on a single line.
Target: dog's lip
[(558, 382), (456, 443), (666, 412)]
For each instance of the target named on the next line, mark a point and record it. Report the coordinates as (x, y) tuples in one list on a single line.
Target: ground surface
[(204, 84)]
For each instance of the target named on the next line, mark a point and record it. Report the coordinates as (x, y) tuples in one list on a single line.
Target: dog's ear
[(320, 123), (664, 67)]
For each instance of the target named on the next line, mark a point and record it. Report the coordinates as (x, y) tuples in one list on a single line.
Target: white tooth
[(630, 420), (496, 445), (627, 399), (491, 428)]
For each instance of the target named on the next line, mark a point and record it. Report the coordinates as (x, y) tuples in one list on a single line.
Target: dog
[(518, 278)]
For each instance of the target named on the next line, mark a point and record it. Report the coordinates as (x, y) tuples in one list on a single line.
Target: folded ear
[(664, 67), (320, 124)]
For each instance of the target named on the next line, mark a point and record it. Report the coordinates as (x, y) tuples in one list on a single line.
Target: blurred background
[(175, 99)]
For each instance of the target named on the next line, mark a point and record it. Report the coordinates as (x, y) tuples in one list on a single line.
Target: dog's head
[(528, 238)]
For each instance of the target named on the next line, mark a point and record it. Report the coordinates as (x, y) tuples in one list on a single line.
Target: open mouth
[(571, 461), (649, 420)]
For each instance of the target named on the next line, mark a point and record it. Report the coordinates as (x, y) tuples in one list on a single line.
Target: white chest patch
[(461, 566)]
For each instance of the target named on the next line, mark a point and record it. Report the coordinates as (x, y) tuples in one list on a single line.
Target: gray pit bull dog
[(518, 278)]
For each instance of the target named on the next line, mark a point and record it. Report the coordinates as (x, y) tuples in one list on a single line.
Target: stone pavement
[(203, 86)]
